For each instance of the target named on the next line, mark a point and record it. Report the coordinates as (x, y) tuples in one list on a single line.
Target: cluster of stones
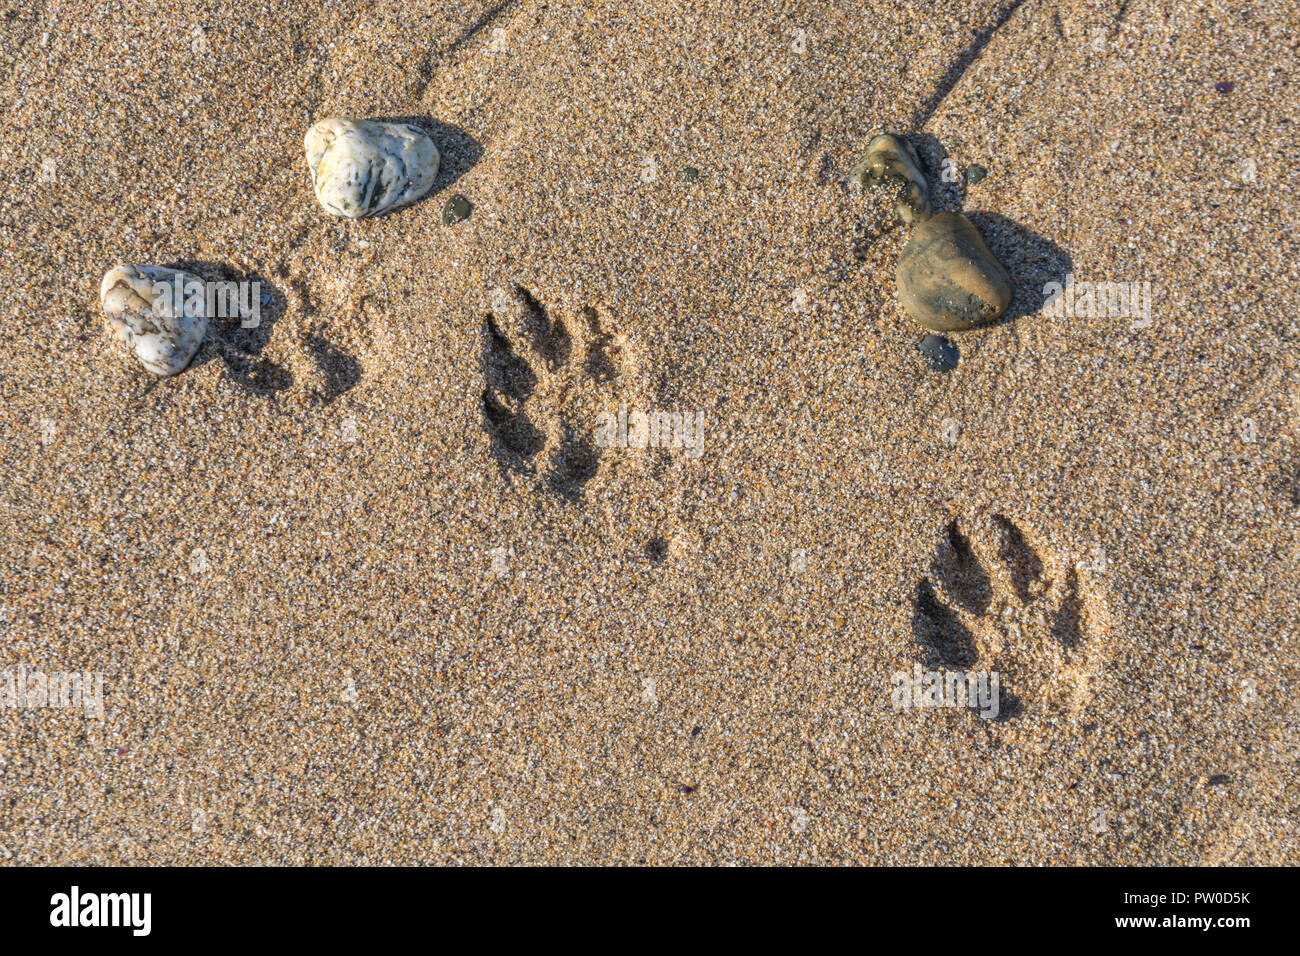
[(948, 280), (358, 168)]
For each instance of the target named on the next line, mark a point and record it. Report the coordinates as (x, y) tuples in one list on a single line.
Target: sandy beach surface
[(363, 586)]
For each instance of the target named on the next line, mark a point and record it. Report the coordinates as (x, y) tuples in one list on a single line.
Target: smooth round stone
[(367, 167), (457, 209), (939, 352), (948, 280), (146, 316)]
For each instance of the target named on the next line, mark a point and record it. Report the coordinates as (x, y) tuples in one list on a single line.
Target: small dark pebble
[(1217, 779), (975, 173), (1224, 86), (939, 352), (690, 174), (457, 209), (695, 731), (656, 549)]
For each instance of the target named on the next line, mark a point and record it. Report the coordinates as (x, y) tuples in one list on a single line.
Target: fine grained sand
[(286, 565)]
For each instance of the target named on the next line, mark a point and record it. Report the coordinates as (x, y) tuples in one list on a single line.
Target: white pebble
[(145, 315), (367, 167)]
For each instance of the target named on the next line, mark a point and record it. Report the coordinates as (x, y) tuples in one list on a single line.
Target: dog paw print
[(995, 603), (546, 380)]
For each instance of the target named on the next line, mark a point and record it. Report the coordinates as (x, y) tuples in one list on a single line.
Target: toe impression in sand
[(368, 167), (145, 315)]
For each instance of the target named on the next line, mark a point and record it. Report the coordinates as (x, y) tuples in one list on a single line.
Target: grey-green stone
[(939, 352), (457, 209), (891, 158)]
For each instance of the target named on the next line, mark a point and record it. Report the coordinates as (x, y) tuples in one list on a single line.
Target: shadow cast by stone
[(238, 347), (1032, 261), (947, 167), (931, 152)]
